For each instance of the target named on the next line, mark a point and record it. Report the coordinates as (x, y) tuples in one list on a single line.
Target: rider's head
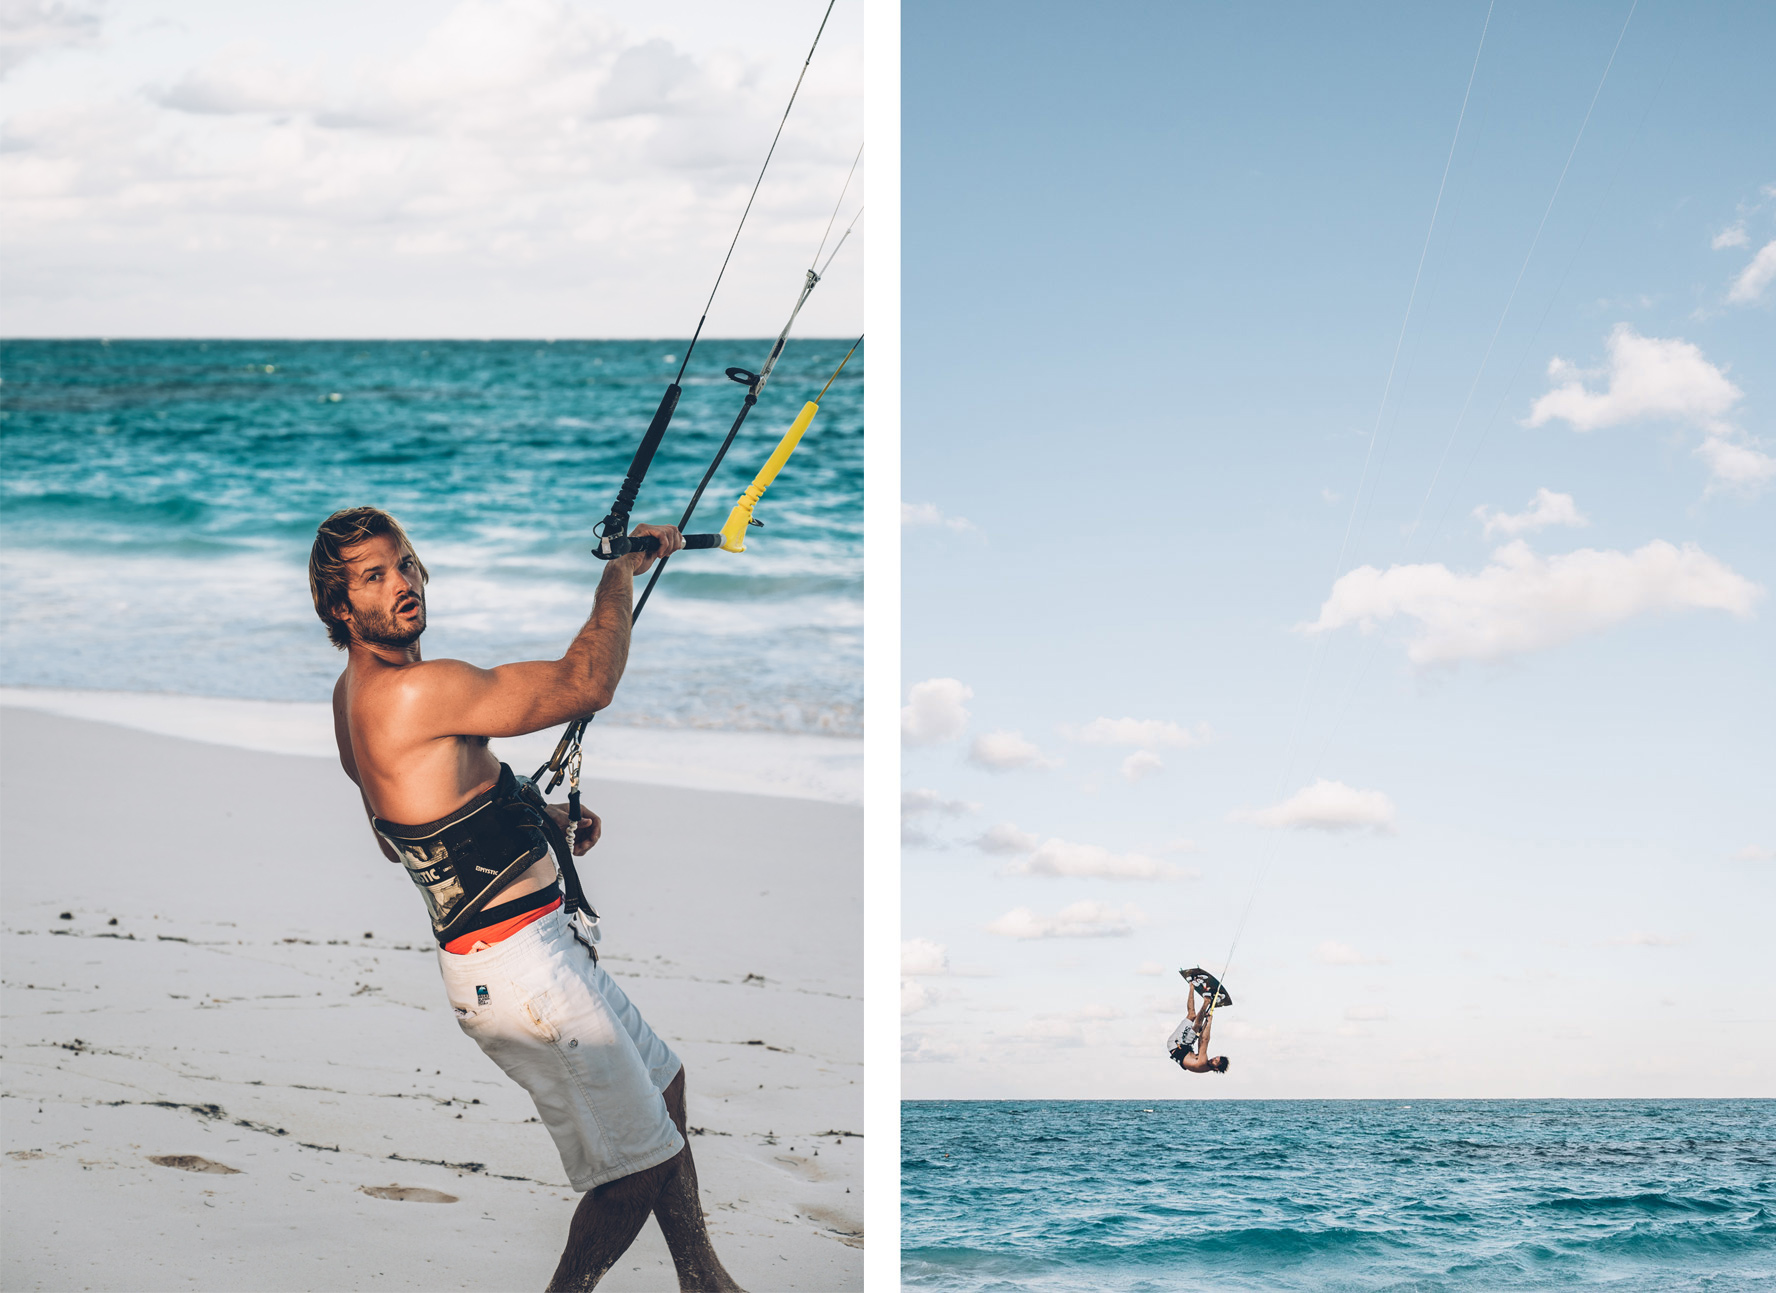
[(1219, 1063), (365, 576)]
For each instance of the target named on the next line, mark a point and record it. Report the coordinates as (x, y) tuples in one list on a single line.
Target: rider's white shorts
[(548, 1014)]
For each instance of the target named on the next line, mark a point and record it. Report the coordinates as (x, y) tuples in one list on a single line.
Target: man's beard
[(380, 628)]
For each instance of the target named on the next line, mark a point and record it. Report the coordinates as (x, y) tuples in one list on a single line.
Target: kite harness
[(612, 533), (462, 859)]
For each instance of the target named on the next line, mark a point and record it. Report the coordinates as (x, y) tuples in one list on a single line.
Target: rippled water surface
[(1439, 1194), (160, 496)]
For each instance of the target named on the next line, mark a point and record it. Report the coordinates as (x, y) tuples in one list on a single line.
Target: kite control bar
[(623, 544)]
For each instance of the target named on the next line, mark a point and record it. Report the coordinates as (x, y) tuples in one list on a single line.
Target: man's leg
[(680, 1212), (606, 1223)]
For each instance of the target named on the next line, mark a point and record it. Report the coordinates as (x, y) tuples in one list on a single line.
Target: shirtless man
[(1189, 1042), (522, 975)]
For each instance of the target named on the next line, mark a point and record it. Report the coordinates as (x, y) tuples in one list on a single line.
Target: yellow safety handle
[(734, 528)]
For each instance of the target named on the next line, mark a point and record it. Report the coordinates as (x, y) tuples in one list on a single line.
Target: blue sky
[(478, 168), (1157, 266)]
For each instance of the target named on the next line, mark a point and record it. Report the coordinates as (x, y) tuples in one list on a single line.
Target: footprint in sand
[(193, 1163), (407, 1193)]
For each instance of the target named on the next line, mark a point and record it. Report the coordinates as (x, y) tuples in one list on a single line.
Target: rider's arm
[(1208, 1022), (452, 698)]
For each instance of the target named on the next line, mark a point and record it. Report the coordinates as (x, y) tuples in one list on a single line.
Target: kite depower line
[(612, 533)]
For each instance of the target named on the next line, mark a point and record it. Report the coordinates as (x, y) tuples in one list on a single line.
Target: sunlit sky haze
[(479, 168)]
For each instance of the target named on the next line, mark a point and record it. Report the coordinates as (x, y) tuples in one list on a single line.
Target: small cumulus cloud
[(917, 801), (1524, 602), (1735, 462), (922, 1048), (1755, 853), (916, 514), (1150, 968), (918, 804), (1326, 806), (1004, 751), (1332, 953), (1545, 509), (1084, 919), (1007, 838), (1646, 377), (915, 997), (1669, 379), (29, 28), (1754, 278), (934, 712), (1140, 764), (922, 956), (1733, 235)]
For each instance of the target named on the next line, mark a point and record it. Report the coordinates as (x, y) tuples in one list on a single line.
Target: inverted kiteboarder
[(1189, 1043)]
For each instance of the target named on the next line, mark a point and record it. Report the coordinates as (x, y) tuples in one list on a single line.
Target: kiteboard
[(1208, 986)]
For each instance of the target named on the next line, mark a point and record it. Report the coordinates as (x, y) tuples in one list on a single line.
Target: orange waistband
[(492, 934)]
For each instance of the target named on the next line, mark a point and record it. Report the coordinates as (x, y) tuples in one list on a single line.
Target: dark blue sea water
[(159, 498), (1439, 1194)]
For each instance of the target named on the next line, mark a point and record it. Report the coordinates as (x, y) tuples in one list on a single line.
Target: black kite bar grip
[(627, 543), (617, 522)]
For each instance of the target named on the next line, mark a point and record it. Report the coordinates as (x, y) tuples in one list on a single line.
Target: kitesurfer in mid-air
[(1189, 1042), (523, 977)]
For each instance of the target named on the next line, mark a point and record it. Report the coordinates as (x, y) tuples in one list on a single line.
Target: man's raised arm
[(452, 698)]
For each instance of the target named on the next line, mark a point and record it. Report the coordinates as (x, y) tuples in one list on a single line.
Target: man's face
[(386, 594)]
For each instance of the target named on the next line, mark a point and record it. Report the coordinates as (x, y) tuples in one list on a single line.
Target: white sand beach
[(206, 961)]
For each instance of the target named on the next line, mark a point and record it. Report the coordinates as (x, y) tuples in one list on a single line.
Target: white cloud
[(1142, 763), (1545, 509), (935, 712), (916, 802), (922, 956), (922, 1048), (1755, 853), (927, 514), (1007, 838), (1524, 602), (1366, 1013), (1331, 953), (1150, 968), (915, 997), (1648, 377), (1003, 751), (1735, 462), (244, 78), (1326, 806), (1733, 235), (251, 194), (1641, 938), (1755, 277), (32, 27), (1086, 919), (1147, 733), (1062, 858)]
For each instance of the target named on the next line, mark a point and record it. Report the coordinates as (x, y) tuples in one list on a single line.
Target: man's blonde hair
[(329, 576)]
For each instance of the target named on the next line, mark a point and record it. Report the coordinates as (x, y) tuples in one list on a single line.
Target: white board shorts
[(559, 1026)]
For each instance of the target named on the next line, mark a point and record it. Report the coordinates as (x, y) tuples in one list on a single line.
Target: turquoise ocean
[(159, 498), (1125, 1196)]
